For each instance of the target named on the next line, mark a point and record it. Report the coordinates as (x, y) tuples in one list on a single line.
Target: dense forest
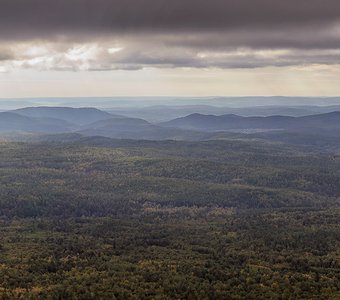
[(99, 218)]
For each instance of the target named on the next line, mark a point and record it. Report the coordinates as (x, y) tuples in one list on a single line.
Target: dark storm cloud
[(307, 38), (169, 33), (41, 18)]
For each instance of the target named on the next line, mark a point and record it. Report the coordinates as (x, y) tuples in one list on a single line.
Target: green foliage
[(168, 220)]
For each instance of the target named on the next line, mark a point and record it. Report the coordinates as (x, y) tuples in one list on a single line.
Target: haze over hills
[(131, 128), (86, 121), (14, 122), (79, 116), (162, 109), (328, 123), (320, 130), (163, 113), (107, 103)]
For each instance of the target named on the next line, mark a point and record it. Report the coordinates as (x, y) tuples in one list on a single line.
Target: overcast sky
[(163, 47)]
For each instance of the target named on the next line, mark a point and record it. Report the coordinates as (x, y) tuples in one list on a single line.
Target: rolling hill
[(12, 122), (328, 123), (78, 116), (164, 113), (320, 131), (134, 128)]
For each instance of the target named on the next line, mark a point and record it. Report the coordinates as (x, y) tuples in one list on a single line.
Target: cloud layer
[(133, 34), (39, 17)]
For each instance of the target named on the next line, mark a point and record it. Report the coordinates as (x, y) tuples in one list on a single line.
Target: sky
[(70, 48)]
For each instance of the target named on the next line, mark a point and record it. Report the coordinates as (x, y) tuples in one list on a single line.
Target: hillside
[(164, 113), (328, 123), (319, 131), (78, 116), (11, 122)]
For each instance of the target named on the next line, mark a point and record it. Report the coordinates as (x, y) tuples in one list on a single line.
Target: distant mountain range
[(88, 122), (328, 123), (10, 121), (142, 102), (132, 128), (77, 116), (319, 130), (162, 113)]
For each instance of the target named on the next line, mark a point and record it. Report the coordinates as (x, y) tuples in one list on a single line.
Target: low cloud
[(134, 56)]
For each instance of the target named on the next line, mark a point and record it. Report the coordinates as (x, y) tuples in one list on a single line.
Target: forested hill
[(329, 122), (79, 116), (97, 218), (319, 131)]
